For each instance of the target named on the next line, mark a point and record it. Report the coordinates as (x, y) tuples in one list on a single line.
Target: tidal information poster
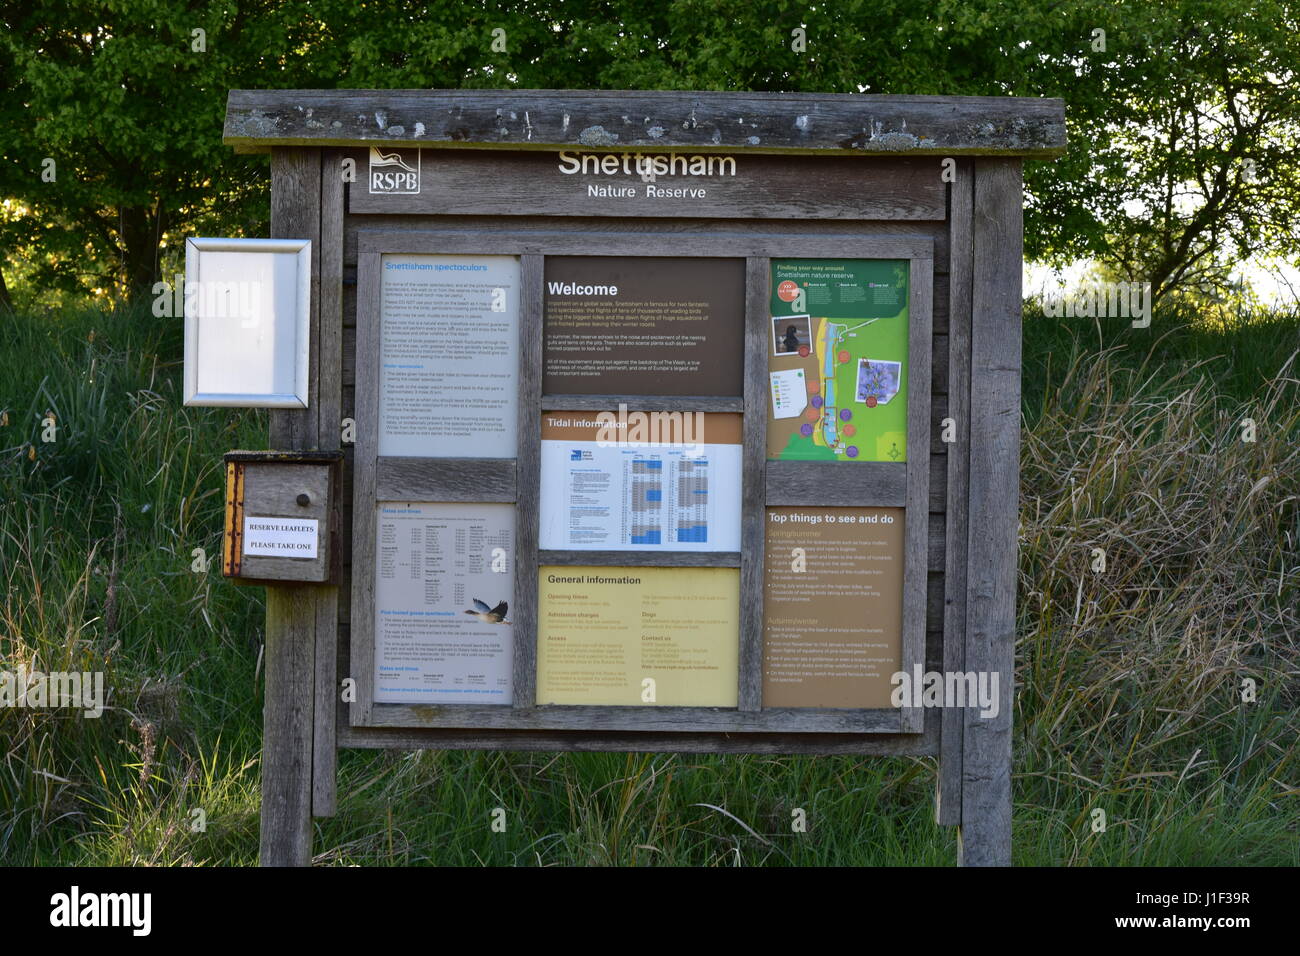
[(448, 356), (638, 636), (444, 582), (643, 325), (837, 360), (832, 606), (640, 481)]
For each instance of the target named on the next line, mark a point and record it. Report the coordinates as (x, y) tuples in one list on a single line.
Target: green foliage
[(117, 95), (1184, 135), (97, 530), (1154, 185)]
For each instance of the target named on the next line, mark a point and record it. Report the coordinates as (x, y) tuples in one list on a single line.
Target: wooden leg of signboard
[(329, 411), (287, 717), (948, 792), (984, 838), (299, 618)]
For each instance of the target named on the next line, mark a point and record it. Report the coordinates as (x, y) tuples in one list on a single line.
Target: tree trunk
[(6, 302), (138, 228)]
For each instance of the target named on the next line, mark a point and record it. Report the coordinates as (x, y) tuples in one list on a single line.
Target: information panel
[(448, 356), (837, 360), (643, 325), (632, 481), (444, 580), (833, 606), (638, 636), (637, 499)]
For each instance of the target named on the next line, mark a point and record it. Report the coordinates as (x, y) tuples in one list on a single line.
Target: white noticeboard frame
[(247, 322)]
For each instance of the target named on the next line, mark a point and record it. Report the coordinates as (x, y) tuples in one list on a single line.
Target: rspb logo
[(579, 454), (395, 172)]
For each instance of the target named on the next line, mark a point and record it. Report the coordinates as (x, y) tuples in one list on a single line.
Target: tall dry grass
[(1175, 671)]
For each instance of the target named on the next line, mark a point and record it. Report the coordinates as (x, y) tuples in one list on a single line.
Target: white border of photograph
[(776, 351), (260, 357)]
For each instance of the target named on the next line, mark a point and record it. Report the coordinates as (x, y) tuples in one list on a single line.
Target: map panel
[(838, 360)]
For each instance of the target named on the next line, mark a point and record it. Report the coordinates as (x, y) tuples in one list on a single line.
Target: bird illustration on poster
[(494, 615)]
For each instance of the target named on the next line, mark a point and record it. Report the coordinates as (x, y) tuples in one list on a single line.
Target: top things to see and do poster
[(837, 360)]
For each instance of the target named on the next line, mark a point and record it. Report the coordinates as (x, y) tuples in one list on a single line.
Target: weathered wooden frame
[(782, 123), (883, 484)]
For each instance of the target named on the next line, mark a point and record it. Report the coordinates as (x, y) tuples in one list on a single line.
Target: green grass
[(1129, 697)]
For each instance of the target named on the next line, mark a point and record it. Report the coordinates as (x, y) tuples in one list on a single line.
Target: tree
[(1171, 104), (1183, 116), (110, 130), (1183, 160)]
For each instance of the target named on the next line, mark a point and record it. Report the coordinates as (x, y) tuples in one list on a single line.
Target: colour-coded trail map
[(838, 360)]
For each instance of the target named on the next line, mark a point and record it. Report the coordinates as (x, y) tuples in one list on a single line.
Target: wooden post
[(289, 704), (288, 712), (329, 416), (984, 837), (948, 796)]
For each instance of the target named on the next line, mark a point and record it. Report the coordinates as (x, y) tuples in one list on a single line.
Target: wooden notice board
[(670, 421)]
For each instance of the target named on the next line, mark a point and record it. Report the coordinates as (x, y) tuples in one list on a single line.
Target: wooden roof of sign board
[(808, 123)]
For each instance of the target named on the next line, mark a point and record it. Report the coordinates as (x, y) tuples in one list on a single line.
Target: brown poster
[(638, 325), (833, 606)]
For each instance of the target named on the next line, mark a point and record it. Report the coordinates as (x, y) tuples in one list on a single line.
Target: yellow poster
[(666, 637)]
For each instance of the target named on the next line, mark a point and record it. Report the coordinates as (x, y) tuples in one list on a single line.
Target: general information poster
[(833, 606), (633, 481), (448, 356), (643, 325), (837, 360), (444, 579), (638, 636)]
